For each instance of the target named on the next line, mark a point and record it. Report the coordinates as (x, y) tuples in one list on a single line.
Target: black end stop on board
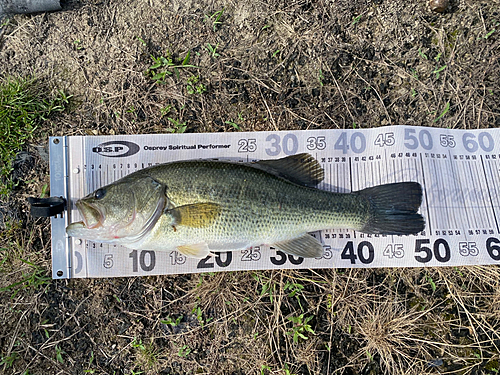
[(46, 207)]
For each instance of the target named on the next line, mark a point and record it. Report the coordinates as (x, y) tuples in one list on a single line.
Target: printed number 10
[(146, 265)]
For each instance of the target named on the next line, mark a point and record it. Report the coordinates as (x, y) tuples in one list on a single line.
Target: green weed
[(35, 277), (439, 70), (431, 282), (414, 74), (264, 367), (78, 44), (233, 124), (193, 87), (445, 111), (199, 316), (215, 19), (147, 354), (421, 54), (268, 288), (287, 371), (165, 110), (184, 351), (294, 290), (91, 360), (144, 44), (180, 127), (490, 33), (137, 344), (167, 66), (25, 103), (300, 327), (59, 353), (213, 50), (8, 361), (170, 321)]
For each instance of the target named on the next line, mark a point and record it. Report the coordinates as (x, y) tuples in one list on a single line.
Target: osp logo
[(116, 149)]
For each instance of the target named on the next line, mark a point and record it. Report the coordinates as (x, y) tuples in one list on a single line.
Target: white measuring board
[(459, 171)]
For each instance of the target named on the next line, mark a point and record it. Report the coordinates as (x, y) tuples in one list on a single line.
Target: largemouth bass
[(196, 207)]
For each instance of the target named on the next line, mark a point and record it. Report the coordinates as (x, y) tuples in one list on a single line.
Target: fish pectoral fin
[(305, 246), (198, 251), (301, 169), (197, 215)]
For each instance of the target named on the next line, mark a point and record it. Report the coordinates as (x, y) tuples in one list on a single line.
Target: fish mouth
[(92, 216), (93, 224)]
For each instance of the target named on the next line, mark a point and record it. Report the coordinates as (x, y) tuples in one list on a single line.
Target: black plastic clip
[(47, 207)]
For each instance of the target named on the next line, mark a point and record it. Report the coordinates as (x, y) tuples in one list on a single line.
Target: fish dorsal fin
[(305, 246), (196, 215), (198, 251), (301, 169)]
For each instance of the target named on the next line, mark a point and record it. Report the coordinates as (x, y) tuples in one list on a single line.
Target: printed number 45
[(385, 139)]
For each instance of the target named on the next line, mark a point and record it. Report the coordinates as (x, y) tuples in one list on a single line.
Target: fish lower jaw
[(71, 228)]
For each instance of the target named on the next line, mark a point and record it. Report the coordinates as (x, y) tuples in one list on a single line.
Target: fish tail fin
[(394, 208)]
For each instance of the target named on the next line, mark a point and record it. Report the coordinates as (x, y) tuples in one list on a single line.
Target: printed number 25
[(247, 145)]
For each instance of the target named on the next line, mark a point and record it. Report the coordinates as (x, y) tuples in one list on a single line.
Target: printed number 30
[(290, 144)]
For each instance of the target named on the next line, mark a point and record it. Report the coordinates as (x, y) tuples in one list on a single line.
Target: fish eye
[(99, 193)]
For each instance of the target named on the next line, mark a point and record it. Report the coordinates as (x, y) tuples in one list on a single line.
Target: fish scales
[(255, 206)]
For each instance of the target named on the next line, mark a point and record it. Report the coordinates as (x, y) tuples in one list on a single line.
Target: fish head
[(120, 212)]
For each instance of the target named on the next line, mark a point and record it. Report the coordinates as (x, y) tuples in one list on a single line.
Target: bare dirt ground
[(295, 64)]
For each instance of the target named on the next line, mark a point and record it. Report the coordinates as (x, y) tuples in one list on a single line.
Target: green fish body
[(197, 207)]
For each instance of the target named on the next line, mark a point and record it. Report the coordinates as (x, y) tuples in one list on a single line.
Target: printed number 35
[(316, 143)]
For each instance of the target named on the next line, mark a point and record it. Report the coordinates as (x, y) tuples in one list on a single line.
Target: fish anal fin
[(302, 169), (198, 251), (305, 246), (196, 215)]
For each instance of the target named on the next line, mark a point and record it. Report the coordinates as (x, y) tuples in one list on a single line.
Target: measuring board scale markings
[(458, 170)]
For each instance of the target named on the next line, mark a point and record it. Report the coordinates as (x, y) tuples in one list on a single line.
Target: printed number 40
[(349, 254)]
